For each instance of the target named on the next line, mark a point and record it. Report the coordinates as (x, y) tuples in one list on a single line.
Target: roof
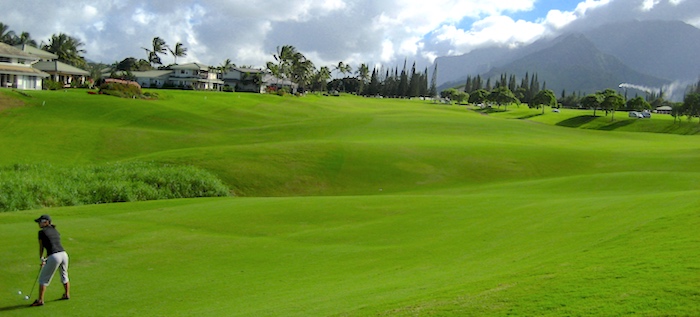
[(21, 70), (152, 73), (248, 70), (195, 66), (9, 51), (60, 67), (271, 79), (664, 108), (31, 50)]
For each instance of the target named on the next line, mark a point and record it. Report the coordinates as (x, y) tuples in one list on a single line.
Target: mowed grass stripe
[(362, 255)]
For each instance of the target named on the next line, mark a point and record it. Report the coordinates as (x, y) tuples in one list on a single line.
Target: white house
[(152, 78), (62, 72), (16, 69), (58, 71), (195, 76), (254, 80), (244, 79)]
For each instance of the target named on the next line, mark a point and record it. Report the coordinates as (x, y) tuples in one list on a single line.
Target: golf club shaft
[(36, 280)]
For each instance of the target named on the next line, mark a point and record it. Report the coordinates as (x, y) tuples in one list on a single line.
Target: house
[(664, 110), (255, 80), (195, 76), (273, 83), (63, 73), (58, 71), (152, 78), (16, 69), (244, 79)]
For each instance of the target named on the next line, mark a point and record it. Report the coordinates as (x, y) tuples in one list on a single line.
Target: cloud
[(354, 31)]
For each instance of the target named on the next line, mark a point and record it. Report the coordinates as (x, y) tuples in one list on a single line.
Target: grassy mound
[(43, 185)]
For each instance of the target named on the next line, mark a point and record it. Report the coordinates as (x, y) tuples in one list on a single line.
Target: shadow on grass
[(576, 122), (616, 125), (489, 110), (27, 305), (530, 116), (16, 307)]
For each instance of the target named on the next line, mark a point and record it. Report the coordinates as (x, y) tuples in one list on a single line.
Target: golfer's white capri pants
[(58, 260)]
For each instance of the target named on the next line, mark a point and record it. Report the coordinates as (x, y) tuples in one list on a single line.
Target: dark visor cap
[(42, 218)]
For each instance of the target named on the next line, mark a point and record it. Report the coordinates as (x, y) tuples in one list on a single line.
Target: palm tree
[(159, 47), (274, 70), (224, 67), (302, 70), (179, 51), (24, 38), (67, 48), (363, 75), (285, 57), (321, 77), (6, 35)]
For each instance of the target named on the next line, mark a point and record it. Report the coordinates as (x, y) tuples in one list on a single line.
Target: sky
[(375, 32)]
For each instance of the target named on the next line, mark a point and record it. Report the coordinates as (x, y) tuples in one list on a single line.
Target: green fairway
[(350, 206)]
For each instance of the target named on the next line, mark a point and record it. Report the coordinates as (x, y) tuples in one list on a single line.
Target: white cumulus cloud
[(369, 31)]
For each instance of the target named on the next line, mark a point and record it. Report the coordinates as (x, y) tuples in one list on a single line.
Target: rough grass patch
[(32, 186)]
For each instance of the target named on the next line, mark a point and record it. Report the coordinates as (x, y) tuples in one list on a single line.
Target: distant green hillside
[(262, 145)]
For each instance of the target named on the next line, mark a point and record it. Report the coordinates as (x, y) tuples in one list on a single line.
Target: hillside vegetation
[(349, 206)]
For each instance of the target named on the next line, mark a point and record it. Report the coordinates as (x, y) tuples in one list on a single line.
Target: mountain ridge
[(649, 53)]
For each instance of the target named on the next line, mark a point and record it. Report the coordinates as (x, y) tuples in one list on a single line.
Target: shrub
[(121, 88), (52, 85), (43, 185)]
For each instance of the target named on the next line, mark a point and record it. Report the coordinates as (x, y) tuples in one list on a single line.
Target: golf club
[(36, 280)]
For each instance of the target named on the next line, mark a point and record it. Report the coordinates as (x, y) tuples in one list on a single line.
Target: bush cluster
[(121, 90), (36, 186), (52, 85)]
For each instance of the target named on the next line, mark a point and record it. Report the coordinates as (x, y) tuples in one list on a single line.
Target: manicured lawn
[(350, 206)]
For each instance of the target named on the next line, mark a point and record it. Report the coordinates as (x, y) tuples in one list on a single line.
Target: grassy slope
[(477, 215)]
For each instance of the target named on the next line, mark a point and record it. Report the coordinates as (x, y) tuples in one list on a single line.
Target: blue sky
[(327, 31)]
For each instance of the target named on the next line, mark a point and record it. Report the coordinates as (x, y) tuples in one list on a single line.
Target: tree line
[(292, 65)]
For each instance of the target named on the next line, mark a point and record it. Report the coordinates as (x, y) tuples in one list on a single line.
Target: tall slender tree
[(432, 91), (6, 35), (363, 76), (158, 46), (178, 51)]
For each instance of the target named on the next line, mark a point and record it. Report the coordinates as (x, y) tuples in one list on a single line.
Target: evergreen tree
[(403, 82), (477, 83), (373, 88), (423, 89), (468, 86), (525, 83), (433, 82), (413, 83), (512, 83)]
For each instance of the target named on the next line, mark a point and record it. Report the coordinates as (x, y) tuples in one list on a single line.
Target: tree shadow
[(616, 125), (530, 116), (488, 110), (576, 122)]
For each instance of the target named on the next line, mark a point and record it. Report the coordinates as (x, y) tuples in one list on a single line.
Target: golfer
[(56, 258)]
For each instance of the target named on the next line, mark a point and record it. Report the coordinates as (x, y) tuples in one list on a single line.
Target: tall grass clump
[(35, 186)]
